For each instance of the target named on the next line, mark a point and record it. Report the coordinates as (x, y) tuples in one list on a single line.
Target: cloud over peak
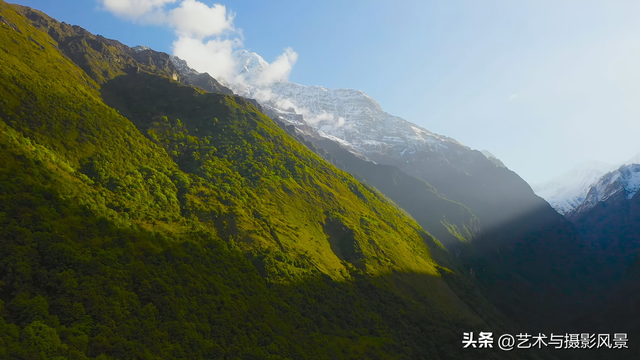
[(205, 37), (278, 70), (211, 56)]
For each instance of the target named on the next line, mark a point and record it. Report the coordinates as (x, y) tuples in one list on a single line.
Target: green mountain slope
[(142, 218), (448, 221), (102, 58)]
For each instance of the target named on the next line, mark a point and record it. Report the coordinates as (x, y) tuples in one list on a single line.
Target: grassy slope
[(449, 221), (113, 234)]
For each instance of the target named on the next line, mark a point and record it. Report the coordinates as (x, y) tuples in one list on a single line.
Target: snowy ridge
[(567, 192), (348, 116), (624, 181), (249, 65), (303, 128), (140, 48), (630, 176)]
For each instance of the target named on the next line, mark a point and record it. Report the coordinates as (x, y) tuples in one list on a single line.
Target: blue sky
[(543, 85)]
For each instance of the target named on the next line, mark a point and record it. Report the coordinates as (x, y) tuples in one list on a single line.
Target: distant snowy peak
[(300, 94), (140, 48), (568, 191), (624, 181), (249, 65), (349, 117), (248, 61), (587, 184), (352, 116)]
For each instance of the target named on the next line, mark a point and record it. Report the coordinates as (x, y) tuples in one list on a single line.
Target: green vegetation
[(141, 218)]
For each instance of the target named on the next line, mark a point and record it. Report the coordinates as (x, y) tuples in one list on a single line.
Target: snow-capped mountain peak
[(568, 191), (347, 116), (354, 117), (140, 48), (623, 181), (249, 65)]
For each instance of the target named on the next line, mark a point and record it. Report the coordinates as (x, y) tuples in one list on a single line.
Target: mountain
[(608, 217), (355, 121), (103, 59), (144, 217), (601, 200), (524, 245), (345, 114), (450, 222), (567, 191), (609, 220), (615, 186)]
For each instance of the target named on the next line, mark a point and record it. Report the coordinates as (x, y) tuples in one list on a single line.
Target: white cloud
[(133, 9), (212, 56), (155, 17), (195, 19), (190, 18), (315, 119), (263, 95), (206, 38), (278, 70), (513, 97), (309, 117), (285, 104)]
